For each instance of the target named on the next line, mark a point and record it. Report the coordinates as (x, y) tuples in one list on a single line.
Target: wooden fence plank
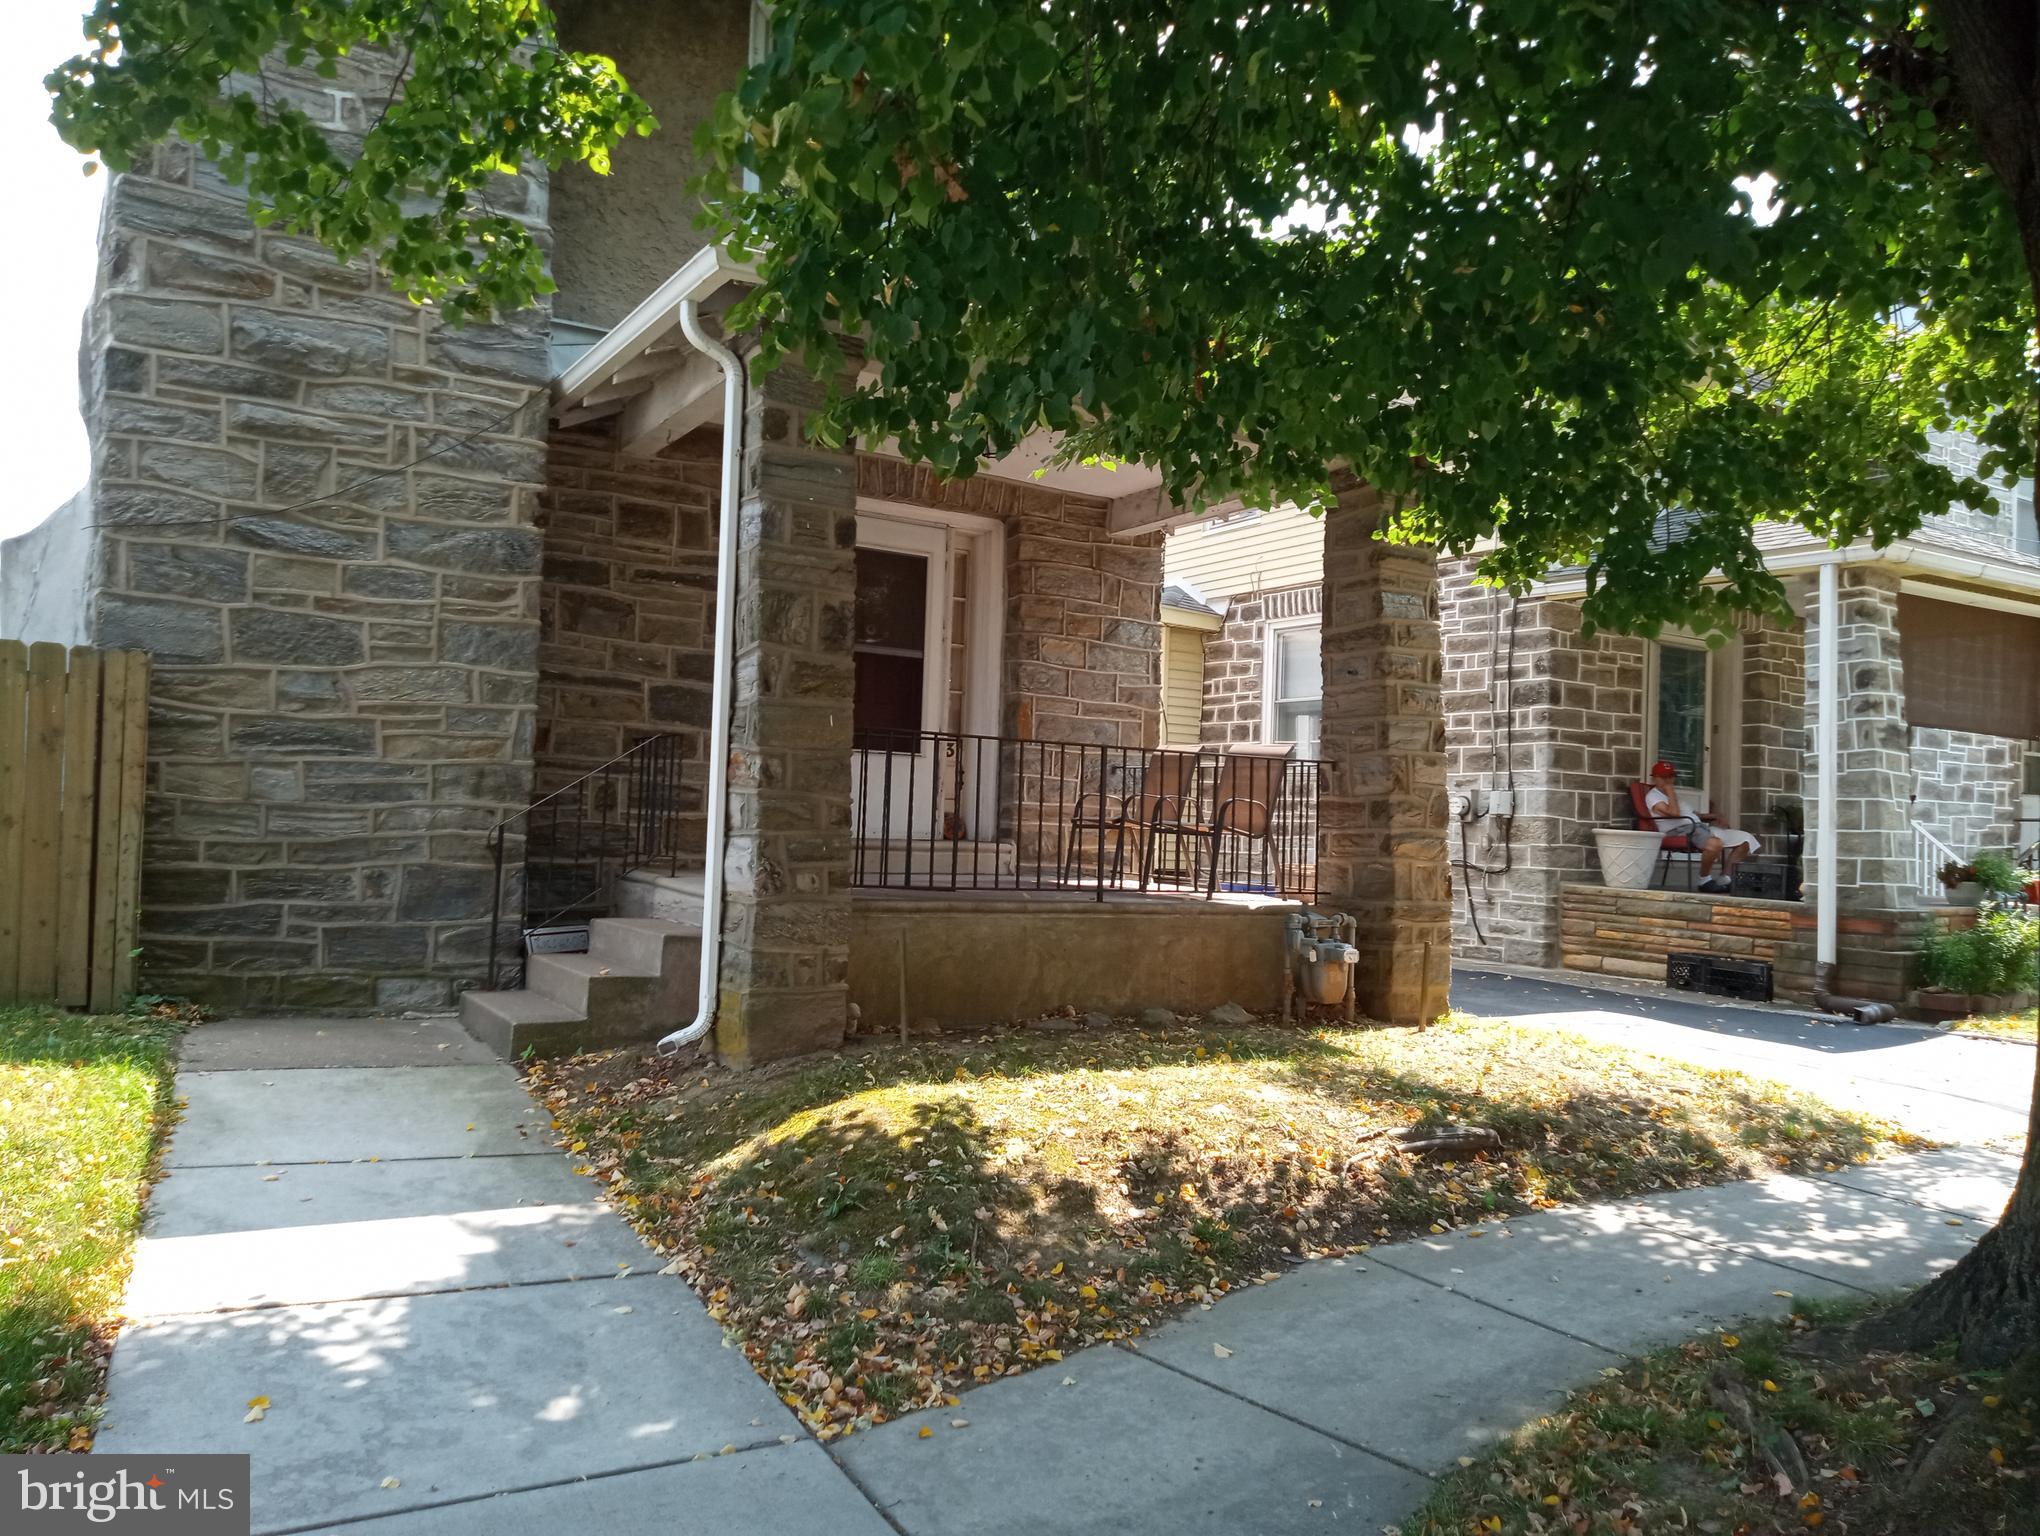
[(113, 682), (13, 713), (134, 759), (75, 840), (42, 788)]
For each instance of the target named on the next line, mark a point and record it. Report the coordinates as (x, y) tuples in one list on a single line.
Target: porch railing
[(556, 861), (945, 811), (1930, 854)]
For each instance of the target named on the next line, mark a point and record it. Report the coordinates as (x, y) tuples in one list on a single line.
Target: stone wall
[(1083, 633), (1381, 821), (1873, 757), (1629, 933), (1773, 718), (314, 509), (627, 607), (1560, 728), (1966, 788), (1236, 674)]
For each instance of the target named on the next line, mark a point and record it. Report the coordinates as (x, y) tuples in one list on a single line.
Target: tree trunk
[(1990, 1302)]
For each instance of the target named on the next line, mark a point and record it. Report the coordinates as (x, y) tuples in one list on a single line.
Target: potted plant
[(1986, 967), (1993, 872), (1959, 884)]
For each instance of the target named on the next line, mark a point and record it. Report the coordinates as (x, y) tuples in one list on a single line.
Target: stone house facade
[(398, 585), (1547, 725)]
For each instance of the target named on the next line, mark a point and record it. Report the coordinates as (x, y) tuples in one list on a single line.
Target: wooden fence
[(73, 751)]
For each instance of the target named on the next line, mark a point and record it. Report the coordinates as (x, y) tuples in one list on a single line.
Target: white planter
[(1628, 857)]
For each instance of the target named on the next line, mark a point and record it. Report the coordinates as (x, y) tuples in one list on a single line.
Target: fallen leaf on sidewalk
[(258, 1410), (393, 1482), (1221, 1351)]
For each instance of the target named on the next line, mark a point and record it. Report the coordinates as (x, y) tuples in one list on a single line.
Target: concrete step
[(645, 945), (511, 1023), (669, 898), (637, 982)]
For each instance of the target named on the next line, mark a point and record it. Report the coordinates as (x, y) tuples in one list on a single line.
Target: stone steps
[(637, 982)]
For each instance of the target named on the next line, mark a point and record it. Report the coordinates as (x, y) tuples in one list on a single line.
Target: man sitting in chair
[(1727, 844)]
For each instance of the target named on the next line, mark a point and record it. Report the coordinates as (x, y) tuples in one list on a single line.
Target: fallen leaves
[(879, 1232), (258, 1410)]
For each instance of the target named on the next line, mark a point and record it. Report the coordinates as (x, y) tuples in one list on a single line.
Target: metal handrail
[(954, 811), (620, 816)]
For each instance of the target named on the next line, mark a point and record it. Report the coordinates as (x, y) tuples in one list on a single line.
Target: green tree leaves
[(1506, 262), (413, 173)]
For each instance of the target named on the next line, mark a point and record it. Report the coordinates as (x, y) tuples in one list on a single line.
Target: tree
[(482, 86), (1539, 271)]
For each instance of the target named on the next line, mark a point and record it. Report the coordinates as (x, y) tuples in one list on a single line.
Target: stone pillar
[(313, 506), (1774, 718), (1381, 826), (786, 927), (1873, 827)]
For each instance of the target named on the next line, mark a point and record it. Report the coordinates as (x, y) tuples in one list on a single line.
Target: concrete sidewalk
[(1951, 1087), (367, 1224), (1328, 1400)]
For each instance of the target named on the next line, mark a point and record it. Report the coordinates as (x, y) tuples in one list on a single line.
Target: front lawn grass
[(884, 1228), (1873, 1445), (83, 1103)]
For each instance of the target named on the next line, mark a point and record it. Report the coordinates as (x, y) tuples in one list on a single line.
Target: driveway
[(1950, 1087)]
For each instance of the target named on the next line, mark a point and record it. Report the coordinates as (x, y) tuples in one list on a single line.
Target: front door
[(902, 677)]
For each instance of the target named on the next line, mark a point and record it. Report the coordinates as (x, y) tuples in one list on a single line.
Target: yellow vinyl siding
[(1182, 685), (1282, 548)]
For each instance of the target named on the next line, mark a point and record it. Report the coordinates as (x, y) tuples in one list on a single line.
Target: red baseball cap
[(1663, 770)]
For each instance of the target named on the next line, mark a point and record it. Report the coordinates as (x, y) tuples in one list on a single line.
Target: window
[(1679, 711), (1296, 688), (891, 650)]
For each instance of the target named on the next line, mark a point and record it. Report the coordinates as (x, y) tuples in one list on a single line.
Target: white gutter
[(689, 315), (701, 275), (1916, 557), (1827, 729)]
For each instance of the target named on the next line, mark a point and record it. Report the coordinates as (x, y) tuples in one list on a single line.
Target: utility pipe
[(1828, 728), (725, 649)]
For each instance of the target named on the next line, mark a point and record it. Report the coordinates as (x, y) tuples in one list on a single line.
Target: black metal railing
[(556, 861), (936, 810)]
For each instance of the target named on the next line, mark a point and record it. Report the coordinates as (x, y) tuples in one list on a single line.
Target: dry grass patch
[(1773, 1428), (2020, 1026), (885, 1228)]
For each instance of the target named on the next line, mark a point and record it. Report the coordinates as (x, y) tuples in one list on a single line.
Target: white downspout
[(1828, 729), (725, 648)]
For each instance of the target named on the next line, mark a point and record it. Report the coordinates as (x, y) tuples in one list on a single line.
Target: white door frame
[(985, 645)]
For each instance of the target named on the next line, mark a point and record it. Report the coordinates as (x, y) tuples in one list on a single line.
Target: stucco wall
[(44, 574), (617, 237)]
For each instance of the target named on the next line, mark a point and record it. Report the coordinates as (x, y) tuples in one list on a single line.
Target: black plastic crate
[(1686, 972), (1765, 881), (1749, 980)]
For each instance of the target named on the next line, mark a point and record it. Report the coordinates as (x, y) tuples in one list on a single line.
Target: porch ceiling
[(644, 375)]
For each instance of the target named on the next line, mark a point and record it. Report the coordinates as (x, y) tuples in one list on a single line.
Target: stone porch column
[(1381, 824), (1873, 827), (786, 923)]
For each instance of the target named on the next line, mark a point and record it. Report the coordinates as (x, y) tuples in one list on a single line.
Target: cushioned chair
[(1676, 845)]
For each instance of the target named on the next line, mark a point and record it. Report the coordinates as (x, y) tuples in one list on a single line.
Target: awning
[(1969, 668)]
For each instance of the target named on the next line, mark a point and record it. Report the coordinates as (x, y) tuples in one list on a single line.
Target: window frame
[(1271, 674), (1652, 679)]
